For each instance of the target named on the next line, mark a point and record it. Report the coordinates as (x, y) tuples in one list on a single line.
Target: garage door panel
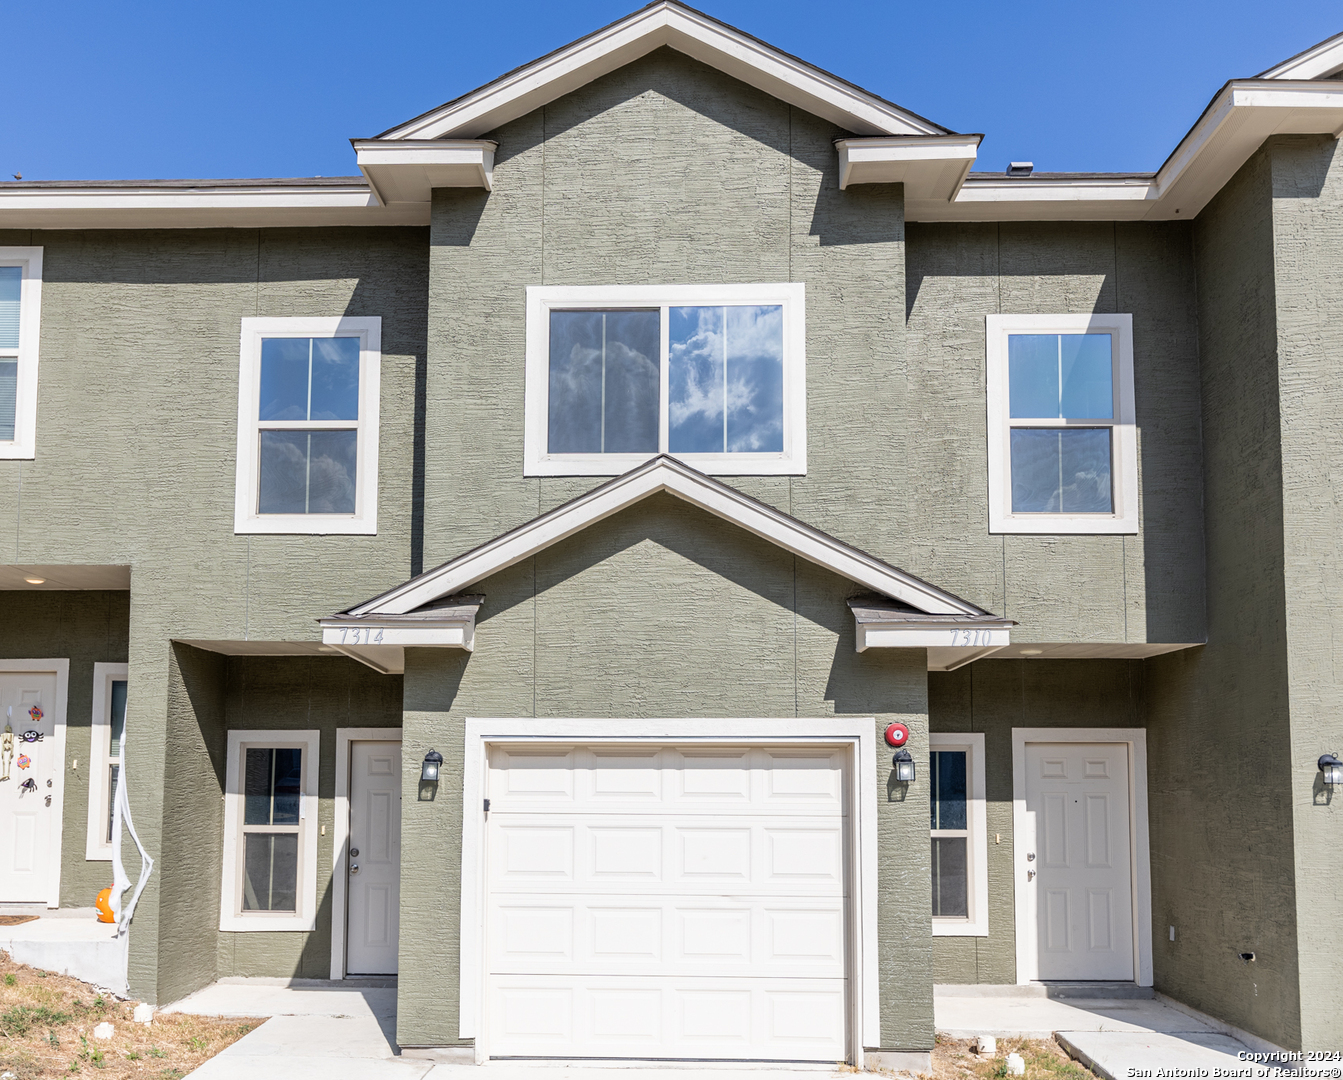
[(792, 1020), (667, 902)]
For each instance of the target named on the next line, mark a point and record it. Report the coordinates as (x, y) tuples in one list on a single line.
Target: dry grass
[(1045, 1060), (47, 1022)]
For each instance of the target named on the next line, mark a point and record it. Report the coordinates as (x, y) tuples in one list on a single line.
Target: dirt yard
[(47, 1022), (1045, 1060)]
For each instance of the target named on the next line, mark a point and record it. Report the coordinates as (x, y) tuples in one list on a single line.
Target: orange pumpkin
[(104, 905)]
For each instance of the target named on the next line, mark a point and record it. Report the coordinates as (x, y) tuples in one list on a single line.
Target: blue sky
[(276, 88)]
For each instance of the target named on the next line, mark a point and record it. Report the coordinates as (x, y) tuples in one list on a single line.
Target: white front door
[(1077, 797), (375, 859), (29, 813), (666, 902)]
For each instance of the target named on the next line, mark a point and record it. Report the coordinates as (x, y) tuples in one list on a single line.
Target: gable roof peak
[(659, 474), (677, 26)]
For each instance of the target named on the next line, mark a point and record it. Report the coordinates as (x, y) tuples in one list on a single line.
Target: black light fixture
[(904, 766), (1332, 769), (429, 770)]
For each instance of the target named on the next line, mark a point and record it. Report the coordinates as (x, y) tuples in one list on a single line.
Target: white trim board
[(664, 474), (61, 669), (687, 31), (29, 259), (340, 835), (977, 923), (1140, 863), (305, 918), (858, 734), (97, 849)]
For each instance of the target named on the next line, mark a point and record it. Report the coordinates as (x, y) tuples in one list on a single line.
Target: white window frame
[(364, 520), (541, 299), (97, 847), (1123, 445), (976, 922), (24, 444), (231, 915)]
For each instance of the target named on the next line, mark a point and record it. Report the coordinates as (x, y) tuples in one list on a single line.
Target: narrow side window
[(20, 314), (958, 833)]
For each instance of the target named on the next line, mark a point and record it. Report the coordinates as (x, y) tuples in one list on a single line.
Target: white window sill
[(1063, 524), (307, 525), (710, 464), (958, 928), (264, 922)]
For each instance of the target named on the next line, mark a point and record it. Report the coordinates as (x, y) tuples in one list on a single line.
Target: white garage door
[(666, 902)]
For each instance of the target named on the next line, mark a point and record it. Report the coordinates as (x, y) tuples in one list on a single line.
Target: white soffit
[(1232, 128), (674, 477), (200, 205), (687, 31), (407, 171), (932, 167)]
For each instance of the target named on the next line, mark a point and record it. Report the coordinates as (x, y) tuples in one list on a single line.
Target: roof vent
[(1020, 168)]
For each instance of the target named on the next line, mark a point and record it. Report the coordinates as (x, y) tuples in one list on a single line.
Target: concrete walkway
[(1108, 1033)]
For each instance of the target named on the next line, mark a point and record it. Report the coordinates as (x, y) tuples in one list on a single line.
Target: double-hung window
[(1063, 454), (20, 311), (270, 831), (959, 838), (109, 724), (715, 375), (308, 426)]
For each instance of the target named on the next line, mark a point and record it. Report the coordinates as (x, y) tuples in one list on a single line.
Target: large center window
[(711, 374)]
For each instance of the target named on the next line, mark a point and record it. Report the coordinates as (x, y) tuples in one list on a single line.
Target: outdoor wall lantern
[(1332, 769), (429, 770), (904, 766)]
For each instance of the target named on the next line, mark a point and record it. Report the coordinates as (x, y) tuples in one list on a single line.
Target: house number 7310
[(349, 635), (970, 637)]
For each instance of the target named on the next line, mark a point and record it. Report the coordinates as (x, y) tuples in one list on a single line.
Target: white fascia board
[(199, 208), (665, 474), (1318, 60), (930, 167), (381, 643), (689, 32), (408, 171)]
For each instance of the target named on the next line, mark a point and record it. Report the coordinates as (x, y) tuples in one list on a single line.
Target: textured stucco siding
[(1223, 868), (1308, 272), (85, 628), (661, 611), (136, 447), (993, 697), (1147, 587)]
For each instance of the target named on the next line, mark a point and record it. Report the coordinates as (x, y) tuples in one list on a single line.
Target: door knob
[(1030, 874), (354, 853), (354, 869), (1030, 857)]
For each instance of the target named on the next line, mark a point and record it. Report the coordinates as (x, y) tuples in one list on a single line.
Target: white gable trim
[(665, 474), (1317, 61), (698, 36)]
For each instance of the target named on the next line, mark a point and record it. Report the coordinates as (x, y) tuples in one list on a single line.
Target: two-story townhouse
[(849, 572)]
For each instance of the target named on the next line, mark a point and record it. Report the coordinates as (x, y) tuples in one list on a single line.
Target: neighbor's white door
[(375, 859), (28, 818), (666, 902), (1077, 794)]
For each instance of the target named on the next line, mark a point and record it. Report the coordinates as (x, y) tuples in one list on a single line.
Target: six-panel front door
[(1077, 795), (666, 902), (375, 859), (28, 816)]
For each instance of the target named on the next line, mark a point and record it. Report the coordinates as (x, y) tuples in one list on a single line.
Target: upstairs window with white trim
[(308, 426), (270, 831), (109, 724), (20, 313), (1063, 454), (712, 374), (960, 851)]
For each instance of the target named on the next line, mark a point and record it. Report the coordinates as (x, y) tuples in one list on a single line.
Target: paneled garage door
[(666, 902)]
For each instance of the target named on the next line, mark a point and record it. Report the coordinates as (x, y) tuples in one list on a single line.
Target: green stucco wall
[(1220, 753), (993, 697), (85, 628), (660, 611), (136, 445)]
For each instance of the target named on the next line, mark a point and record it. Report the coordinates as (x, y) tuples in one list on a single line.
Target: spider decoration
[(32, 736)]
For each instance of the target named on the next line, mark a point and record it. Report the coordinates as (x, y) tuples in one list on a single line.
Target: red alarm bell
[(897, 735)]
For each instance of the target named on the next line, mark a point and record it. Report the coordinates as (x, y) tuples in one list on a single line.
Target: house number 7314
[(349, 635), (970, 637)]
